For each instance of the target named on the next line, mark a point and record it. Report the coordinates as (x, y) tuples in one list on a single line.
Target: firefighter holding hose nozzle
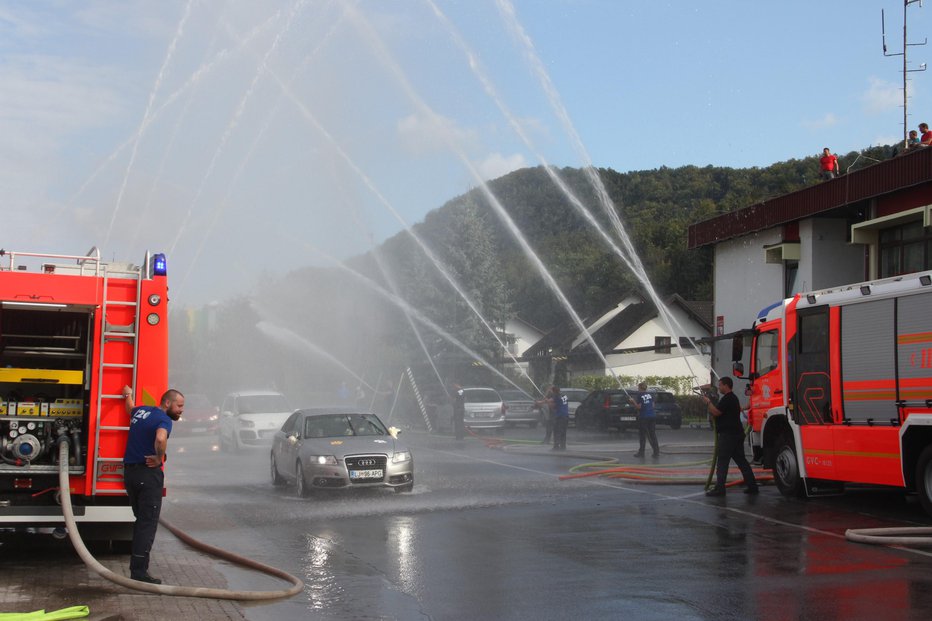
[(730, 439)]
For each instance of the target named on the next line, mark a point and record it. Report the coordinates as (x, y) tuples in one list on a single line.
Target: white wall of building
[(525, 336), (832, 260), (743, 282)]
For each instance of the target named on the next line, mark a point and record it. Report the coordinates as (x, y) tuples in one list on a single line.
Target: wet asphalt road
[(493, 534)]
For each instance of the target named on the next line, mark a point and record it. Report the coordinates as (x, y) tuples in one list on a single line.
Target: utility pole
[(906, 69)]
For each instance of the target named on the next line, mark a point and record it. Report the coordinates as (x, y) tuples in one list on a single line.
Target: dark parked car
[(611, 409)]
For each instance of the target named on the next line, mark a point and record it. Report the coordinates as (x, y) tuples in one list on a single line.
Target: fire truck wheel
[(277, 479), (786, 468), (924, 479)]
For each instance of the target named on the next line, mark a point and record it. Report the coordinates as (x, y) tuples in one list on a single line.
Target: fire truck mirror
[(738, 369), (737, 347)]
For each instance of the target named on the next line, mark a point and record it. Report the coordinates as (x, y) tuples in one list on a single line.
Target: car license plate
[(366, 474), (627, 418)]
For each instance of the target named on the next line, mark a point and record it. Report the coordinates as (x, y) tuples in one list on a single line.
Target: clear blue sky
[(243, 135)]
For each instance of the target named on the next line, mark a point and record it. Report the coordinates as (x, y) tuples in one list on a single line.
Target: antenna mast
[(906, 70)]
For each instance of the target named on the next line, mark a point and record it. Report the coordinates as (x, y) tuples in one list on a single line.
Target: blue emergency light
[(159, 267)]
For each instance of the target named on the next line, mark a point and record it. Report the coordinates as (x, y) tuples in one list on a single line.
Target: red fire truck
[(841, 387), (73, 331)]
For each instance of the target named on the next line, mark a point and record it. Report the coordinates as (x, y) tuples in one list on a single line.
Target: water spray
[(493, 201), (630, 257), (297, 342), (235, 119), (195, 78), (145, 117), (388, 205), (401, 303), (233, 182)]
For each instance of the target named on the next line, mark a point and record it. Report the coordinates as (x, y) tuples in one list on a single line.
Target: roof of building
[(898, 173), (620, 327), (617, 329), (702, 311)]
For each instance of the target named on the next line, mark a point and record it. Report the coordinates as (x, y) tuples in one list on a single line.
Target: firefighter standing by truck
[(142, 472), (729, 440), (647, 421)]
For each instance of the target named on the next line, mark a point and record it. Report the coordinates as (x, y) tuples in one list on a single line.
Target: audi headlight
[(323, 460), (247, 424), (401, 456)]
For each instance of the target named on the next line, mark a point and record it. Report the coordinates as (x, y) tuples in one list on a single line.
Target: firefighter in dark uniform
[(730, 439), (557, 405), (459, 411), (647, 420), (143, 478), (561, 417)]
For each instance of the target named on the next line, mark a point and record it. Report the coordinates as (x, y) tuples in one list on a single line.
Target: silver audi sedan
[(333, 448)]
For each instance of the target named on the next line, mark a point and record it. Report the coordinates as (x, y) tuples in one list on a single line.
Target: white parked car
[(251, 418)]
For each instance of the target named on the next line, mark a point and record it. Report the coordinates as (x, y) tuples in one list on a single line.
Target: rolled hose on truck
[(167, 589)]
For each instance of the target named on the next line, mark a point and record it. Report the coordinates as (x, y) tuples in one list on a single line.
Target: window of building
[(662, 344), (905, 249)]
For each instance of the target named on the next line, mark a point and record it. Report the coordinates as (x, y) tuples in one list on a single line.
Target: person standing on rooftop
[(828, 164), (925, 136)]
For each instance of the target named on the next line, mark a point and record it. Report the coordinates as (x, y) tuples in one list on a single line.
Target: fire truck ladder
[(114, 336)]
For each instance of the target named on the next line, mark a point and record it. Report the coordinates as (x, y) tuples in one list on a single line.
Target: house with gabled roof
[(634, 340)]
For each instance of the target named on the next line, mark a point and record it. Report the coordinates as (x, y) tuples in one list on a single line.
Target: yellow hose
[(72, 612)]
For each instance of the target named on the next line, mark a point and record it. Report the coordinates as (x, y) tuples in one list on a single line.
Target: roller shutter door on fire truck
[(914, 348), (868, 362)]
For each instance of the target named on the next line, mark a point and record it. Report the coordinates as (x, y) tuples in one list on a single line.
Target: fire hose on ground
[(167, 589), (692, 472)]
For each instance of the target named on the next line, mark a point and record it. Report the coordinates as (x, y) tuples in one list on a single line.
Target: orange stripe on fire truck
[(852, 454), (879, 395), (918, 337)]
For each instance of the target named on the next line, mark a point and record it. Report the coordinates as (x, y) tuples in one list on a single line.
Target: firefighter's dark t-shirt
[(144, 422), (730, 419)]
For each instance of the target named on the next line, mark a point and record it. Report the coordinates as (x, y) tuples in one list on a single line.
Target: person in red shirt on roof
[(926, 138), (829, 164)]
